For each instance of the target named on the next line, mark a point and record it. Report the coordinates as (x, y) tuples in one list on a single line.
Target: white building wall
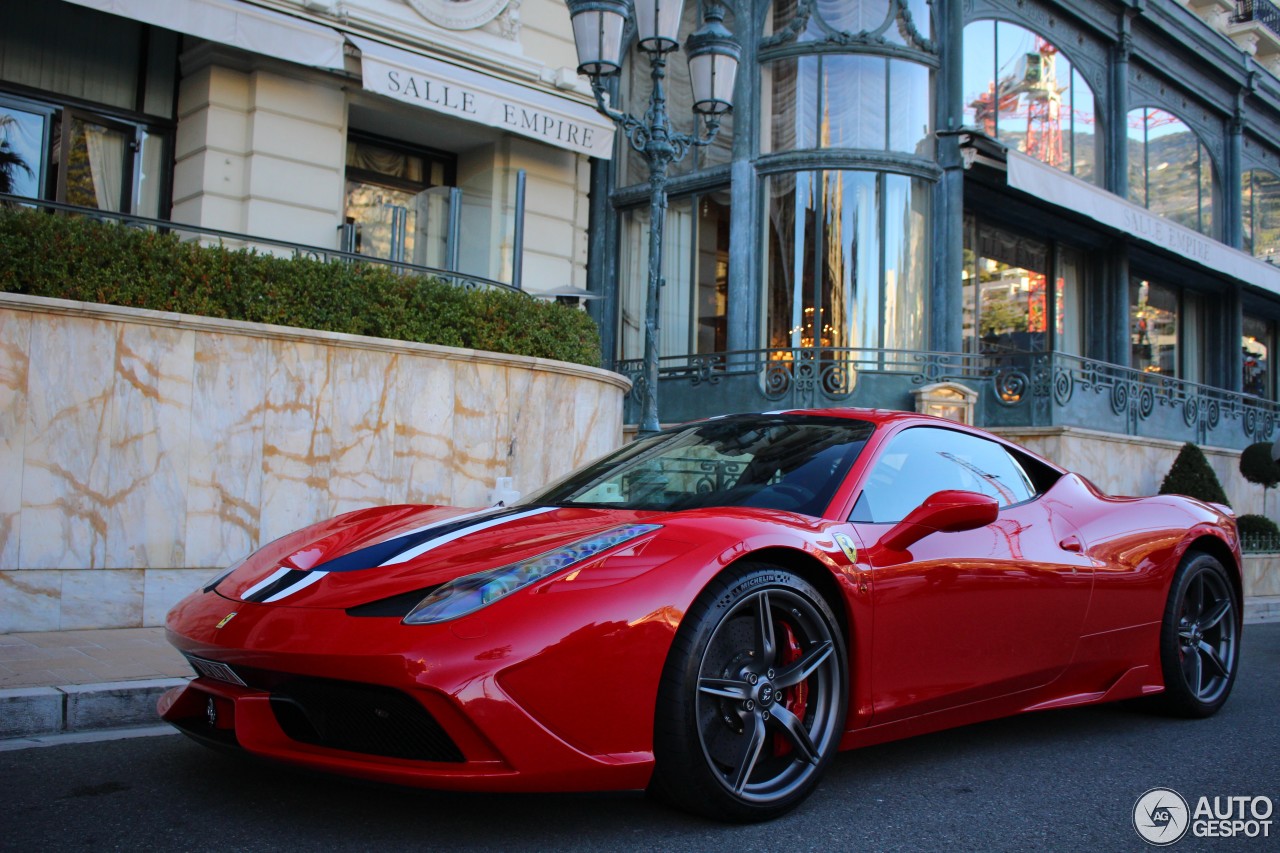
[(262, 153)]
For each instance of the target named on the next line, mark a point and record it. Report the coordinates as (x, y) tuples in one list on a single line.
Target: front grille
[(360, 718)]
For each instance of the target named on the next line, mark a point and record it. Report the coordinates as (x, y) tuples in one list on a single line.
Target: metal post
[(659, 153), (455, 228), (517, 247)]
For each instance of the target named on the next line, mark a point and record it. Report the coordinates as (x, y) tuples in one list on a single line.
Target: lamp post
[(598, 27)]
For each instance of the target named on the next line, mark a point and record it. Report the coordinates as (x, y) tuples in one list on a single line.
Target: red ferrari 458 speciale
[(712, 612)]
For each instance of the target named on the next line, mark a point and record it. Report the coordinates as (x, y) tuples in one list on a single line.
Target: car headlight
[(469, 593)]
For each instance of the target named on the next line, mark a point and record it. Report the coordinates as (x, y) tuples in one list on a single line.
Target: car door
[(962, 617)]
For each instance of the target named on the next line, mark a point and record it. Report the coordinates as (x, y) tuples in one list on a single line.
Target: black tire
[(1199, 638), (752, 702)]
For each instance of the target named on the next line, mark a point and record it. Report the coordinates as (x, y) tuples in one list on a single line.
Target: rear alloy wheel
[(1199, 640), (752, 702)]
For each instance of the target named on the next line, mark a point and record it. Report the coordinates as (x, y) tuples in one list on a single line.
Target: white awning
[(1056, 187), (237, 24), (470, 95)]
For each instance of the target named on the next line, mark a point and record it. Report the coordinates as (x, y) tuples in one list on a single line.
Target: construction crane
[(1031, 91)]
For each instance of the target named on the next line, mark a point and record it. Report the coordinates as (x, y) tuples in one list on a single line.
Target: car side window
[(922, 460)]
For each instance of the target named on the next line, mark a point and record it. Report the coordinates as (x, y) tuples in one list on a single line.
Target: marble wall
[(142, 451)]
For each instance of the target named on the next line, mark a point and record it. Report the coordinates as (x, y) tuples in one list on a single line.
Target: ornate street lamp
[(598, 26)]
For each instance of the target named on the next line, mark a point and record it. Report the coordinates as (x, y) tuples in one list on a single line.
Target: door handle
[(1072, 544)]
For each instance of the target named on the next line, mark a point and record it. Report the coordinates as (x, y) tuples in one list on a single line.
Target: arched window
[(1170, 172), (1020, 89), (1261, 207)]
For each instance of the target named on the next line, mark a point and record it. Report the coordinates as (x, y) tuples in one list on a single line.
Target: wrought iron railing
[(1262, 11), (234, 240), (1259, 543), (1015, 389)]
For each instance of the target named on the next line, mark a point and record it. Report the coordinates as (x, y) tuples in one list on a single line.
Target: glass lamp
[(713, 64), (597, 31), (658, 24)]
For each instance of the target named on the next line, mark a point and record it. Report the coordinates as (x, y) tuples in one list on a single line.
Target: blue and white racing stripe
[(284, 582)]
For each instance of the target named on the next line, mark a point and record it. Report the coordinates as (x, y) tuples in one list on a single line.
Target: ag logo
[(225, 620), (1161, 816), (846, 545)]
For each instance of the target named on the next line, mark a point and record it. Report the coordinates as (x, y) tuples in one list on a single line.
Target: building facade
[(1068, 210), (437, 133)]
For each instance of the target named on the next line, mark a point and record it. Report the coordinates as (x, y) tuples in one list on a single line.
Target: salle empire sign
[(494, 107), (1160, 232)]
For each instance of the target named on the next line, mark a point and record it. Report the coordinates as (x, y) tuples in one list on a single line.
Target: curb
[(1261, 609), (34, 711)]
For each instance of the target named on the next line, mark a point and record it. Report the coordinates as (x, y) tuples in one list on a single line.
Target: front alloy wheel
[(753, 698)]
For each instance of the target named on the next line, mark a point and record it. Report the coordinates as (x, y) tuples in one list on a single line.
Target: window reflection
[(1261, 209), (1170, 172), (1258, 343), (838, 274), (1006, 292), (22, 136), (694, 302), (1153, 319), (1020, 89), (859, 101)]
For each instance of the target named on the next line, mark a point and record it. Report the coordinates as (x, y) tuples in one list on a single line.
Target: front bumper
[(379, 700)]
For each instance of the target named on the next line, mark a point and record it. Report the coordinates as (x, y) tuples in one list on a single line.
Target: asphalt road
[(1062, 780)]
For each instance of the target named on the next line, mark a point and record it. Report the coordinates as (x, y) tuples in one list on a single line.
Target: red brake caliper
[(794, 699)]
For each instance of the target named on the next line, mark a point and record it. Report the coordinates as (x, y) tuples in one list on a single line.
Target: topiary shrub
[(1257, 466), (1192, 476), (76, 258)]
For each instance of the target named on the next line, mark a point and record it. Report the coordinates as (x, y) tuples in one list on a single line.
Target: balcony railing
[(233, 240), (1019, 389), (1263, 11)]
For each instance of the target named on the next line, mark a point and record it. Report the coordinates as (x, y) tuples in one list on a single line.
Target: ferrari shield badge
[(225, 620), (846, 545)]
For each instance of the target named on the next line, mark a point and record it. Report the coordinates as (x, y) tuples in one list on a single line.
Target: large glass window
[(1020, 89), (22, 150), (81, 158), (1013, 300), (694, 301), (847, 253), (1154, 331), (397, 201), (1258, 343), (1170, 171), (1261, 208), (859, 101)]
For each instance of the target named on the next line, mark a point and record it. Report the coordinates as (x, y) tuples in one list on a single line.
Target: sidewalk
[(59, 682), (56, 682)]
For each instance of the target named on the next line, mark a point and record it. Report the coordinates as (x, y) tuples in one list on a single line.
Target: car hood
[(376, 554)]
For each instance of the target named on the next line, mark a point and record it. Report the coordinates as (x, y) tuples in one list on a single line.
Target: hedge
[(89, 261)]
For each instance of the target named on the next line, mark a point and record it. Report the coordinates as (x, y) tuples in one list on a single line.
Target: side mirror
[(949, 511)]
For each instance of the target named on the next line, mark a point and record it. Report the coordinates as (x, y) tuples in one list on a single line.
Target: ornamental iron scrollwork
[(897, 13)]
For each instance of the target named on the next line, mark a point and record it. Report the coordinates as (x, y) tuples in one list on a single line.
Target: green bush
[(1191, 475), (89, 261), (1257, 526)]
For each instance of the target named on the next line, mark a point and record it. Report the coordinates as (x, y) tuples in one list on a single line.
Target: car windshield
[(787, 462)]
